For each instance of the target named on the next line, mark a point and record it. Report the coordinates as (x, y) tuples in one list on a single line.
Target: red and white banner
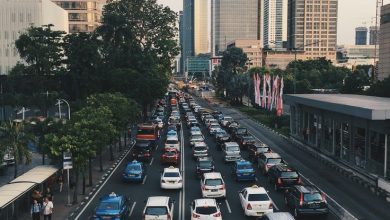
[(264, 98), (269, 91), (279, 107)]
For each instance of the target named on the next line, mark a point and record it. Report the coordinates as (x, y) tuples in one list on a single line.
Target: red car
[(171, 156)]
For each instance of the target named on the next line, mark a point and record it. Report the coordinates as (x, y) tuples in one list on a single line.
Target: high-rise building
[(252, 49), (201, 27), (181, 27), (84, 15), (275, 23), (312, 26), (234, 19), (384, 43), (361, 36), (373, 35), (188, 30), (17, 16)]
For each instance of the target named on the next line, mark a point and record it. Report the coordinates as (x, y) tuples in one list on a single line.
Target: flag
[(254, 86), (269, 92), (263, 101), (274, 92), (258, 89), (279, 110)]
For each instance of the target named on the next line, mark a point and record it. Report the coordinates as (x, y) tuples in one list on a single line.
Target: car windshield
[(220, 132), (145, 131), (244, 166), (311, 197), (262, 149), (206, 210), (133, 168), (156, 210), (214, 126), (274, 160), (195, 129), (197, 137), (241, 130), (172, 133), (170, 153), (108, 206), (258, 197), (290, 174), (171, 174), (172, 142), (232, 148), (205, 164), (200, 148), (248, 138), (213, 182), (228, 119)]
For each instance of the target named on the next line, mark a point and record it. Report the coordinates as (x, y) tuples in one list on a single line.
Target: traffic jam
[(213, 143)]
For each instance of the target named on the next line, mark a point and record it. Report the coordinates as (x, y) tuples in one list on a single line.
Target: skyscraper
[(384, 43), (361, 36), (188, 30), (233, 20), (275, 23), (201, 27), (312, 27), (373, 35), (181, 27), (84, 15)]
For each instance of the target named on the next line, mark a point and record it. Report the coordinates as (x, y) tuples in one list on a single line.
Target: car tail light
[(271, 206), (279, 181), (218, 214), (249, 207), (301, 200), (203, 188), (164, 156), (324, 197), (194, 215), (223, 186), (299, 180), (268, 165)]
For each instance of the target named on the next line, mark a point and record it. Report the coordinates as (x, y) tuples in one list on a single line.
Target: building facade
[(198, 66), (252, 49), (280, 59), (312, 26), (188, 31), (16, 16), (354, 55), (373, 32), (274, 23), (234, 19), (384, 43), (361, 36), (201, 27), (84, 15)]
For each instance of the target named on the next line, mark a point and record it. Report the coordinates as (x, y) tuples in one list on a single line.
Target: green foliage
[(380, 88), (354, 82)]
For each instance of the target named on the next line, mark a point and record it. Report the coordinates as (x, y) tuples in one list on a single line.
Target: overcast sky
[(352, 13)]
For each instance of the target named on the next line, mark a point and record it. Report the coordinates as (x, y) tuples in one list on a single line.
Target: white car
[(212, 185), (172, 133), (158, 208), (226, 120), (255, 201), (159, 122), (205, 209), (171, 178), (172, 142)]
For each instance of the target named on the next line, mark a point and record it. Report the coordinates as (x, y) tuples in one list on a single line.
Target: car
[(172, 142), (213, 128), (158, 207), (255, 201), (175, 120), (195, 128), (283, 176), (207, 118), (245, 140), (170, 156), (277, 216), (306, 200), (172, 133), (257, 149), (243, 171), (196, 132), (200, 149), (232, 126), (113, 207), (134, 172), (171, 178), (142, 150), (226, 120), (205, 209), (172, 128), (238, 132), (212, 185), (196, 138), (267, 160), (221, 134), (159, 122), (231, 152), (204, 165), (210, 122)]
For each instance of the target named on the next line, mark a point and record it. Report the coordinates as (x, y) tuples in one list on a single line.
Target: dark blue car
[(134, 172), (112, 207), (243, 171)]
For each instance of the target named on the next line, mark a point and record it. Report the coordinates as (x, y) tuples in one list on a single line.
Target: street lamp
[(59, 102)]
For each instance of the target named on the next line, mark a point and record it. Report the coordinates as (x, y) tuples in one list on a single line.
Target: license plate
[(171, 181), (246, 174), (214, 190), (131, 175)]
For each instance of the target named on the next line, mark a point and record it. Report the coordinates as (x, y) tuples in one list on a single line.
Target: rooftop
[(368, 107)]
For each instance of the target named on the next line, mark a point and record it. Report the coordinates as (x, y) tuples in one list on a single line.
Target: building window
[(13, 17), (6, 35), (21, 17)]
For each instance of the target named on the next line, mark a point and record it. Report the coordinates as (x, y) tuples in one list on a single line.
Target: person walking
[(61, 182), (36, 210), (47, 209)]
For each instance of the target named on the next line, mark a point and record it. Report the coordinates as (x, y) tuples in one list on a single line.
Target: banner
[(279, 108)]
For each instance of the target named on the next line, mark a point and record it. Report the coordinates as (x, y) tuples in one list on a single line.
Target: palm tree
[(15, 139)]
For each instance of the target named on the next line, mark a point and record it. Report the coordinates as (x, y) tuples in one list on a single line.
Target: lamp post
[(59, 101)]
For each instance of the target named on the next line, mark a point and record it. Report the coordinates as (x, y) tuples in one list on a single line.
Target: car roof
[(280, 216), (228, 144), (212, 175), (172, 137), (255, 189), (307, 188), (200, 144), (205, 202), (272, 155), (134, 162), (284, 167), (171, 169), (205, 159), (157, 201), (111, 198), (243, 162)]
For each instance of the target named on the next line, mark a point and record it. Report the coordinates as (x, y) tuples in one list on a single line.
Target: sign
[(67, 165)]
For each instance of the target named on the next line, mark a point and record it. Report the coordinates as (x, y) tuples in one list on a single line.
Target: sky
[(351, 14)]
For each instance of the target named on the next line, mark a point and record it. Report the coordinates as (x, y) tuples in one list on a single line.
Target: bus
[(148, 131)]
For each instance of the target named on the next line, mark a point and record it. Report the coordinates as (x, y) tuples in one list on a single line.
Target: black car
[(142, 150), (245, 140), (283, 176), (306, 200), (238, 132), (221, 138), (256, 149), (204, 165)]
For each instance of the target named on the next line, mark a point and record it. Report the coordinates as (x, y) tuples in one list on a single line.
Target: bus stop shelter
[(15, 197)]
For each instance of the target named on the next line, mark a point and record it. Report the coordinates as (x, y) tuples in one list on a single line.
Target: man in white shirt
[(47, 207)]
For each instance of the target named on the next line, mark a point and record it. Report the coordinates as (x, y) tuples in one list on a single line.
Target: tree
[(380, 88), (15, 139), (354, 82)]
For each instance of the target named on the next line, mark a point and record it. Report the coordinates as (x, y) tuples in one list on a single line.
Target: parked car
[(158, 207), (112, 206), (306, 200), (267, 160), (205, 209), (243, 171), (170, 156), (283, 176), (255, 201), (134, 172)]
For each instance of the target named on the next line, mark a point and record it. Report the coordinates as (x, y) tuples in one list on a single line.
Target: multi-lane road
[(230, 207)]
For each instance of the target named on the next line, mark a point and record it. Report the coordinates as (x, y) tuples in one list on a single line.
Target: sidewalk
[(60, 199)]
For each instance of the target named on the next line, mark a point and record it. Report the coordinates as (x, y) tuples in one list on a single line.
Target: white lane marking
[(132, 208), (274, 204), (144, 180), (228, 206), (182, 163), (151, 161), (104, 183)]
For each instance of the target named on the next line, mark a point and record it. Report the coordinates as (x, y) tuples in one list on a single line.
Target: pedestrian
[(61, 182), (37, 196), (36, 210), (47, 209), (48, 194)]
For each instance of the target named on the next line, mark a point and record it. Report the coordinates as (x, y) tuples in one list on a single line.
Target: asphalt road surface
[(336, 186)]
